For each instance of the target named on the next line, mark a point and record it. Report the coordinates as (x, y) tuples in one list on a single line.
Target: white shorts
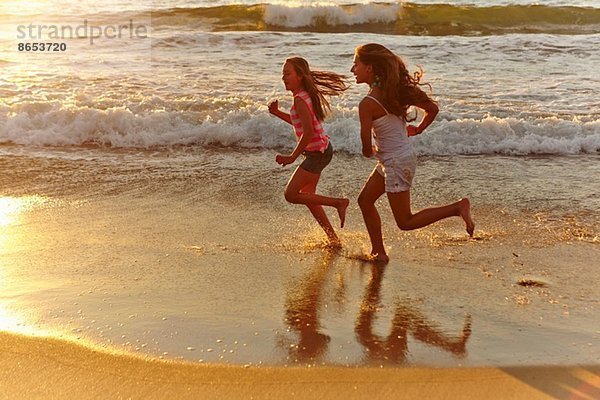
[(398, 172)]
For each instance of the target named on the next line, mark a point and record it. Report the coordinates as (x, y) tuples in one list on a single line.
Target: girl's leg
[(371, 191), (294, 194), (406, 220), (317, 211)]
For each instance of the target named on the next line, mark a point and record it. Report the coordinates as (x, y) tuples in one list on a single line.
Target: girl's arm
[(431, 110), (307, 129), (365, 114), (274, 109)]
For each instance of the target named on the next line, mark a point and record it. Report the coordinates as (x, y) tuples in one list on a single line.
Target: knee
[(403, 224), (290, 196)]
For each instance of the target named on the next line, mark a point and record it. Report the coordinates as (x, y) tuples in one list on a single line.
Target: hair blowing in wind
[(400, 88), (319, 84)]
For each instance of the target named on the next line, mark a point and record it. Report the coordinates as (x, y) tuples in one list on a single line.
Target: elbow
[(367, 153), (433, 110)]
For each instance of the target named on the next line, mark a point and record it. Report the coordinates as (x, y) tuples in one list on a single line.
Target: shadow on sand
[(582, 382)]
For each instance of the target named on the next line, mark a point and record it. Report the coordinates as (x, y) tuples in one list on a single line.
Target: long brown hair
[(319, 84), (400, 89)]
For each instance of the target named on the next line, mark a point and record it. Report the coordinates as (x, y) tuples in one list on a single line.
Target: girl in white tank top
[(383, 115), (389, 134)]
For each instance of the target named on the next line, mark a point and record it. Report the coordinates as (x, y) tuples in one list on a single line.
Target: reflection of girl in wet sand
[(394, 347), (302, 307), (308, 111), (384, 115)]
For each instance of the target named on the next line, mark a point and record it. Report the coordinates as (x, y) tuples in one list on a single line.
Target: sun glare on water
[(19, 7), (11, 211), (8, 208), (12, 207)]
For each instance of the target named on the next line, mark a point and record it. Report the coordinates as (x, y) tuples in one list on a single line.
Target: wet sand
[(163, 257), (42, 368), (148, 275)]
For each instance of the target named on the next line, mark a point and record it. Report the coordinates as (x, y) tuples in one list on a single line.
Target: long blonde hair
[(319, 84), (399, 89)]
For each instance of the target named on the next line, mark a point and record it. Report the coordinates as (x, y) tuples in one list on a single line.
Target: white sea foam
[(300, 16), (50, 124), (510, 136)]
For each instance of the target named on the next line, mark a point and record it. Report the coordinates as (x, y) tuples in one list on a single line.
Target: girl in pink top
[(383, 117), (309, 110)]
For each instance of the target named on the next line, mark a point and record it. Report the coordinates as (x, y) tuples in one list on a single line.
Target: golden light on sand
[(12, 210), (9, 322), (12, 207), (9, 208)]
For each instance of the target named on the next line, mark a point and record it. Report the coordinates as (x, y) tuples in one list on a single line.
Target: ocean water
[(512, 79), (137, 169)]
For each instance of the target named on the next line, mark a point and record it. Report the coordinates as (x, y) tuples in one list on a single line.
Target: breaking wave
[(52, 124), (389, 18)]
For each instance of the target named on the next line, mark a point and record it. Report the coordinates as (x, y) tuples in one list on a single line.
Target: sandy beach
[(43, 368)]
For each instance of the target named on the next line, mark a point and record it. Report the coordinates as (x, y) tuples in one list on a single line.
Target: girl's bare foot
[(464, 207), (334, 243), (341, 209), (380, 258)]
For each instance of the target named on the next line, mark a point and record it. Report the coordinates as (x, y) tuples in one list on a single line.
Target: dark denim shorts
[(315, 161)]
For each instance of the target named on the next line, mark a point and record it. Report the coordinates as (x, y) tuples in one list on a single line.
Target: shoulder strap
[(378, 102), (303, 94), (305, 97)]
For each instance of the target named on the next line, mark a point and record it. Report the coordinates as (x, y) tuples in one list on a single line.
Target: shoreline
[(38, 367)]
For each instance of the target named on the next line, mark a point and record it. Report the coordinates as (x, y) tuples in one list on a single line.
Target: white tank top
[(391, 138)]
